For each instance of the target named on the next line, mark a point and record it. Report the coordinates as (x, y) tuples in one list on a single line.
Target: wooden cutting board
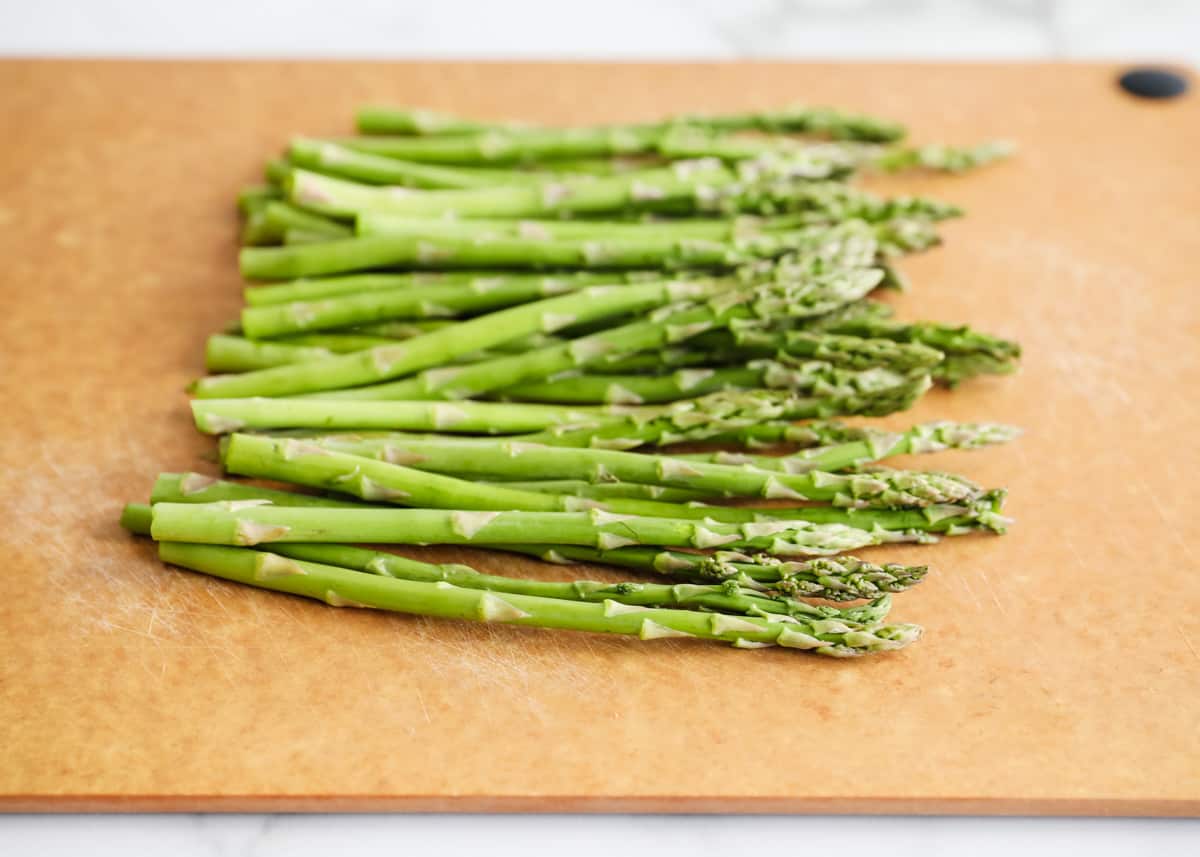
[(1060, 671)]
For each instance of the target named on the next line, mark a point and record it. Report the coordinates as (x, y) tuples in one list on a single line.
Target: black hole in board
[(1153, 83)]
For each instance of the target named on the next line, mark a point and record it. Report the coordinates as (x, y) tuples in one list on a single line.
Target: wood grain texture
[(1060, 670)]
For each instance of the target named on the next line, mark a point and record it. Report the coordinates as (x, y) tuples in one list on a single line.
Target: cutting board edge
[(624, 804)]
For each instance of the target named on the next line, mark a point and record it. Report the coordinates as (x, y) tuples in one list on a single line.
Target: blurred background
[(612, 29)]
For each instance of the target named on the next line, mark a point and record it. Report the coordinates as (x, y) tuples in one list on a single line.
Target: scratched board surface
[(1059, 672)]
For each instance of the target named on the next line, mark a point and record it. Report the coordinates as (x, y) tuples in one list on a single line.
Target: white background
[(600, 29)]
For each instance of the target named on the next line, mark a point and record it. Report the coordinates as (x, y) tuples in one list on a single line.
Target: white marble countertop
[(1147, 30)]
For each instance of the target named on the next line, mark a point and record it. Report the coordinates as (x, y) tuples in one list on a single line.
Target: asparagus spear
[(832, 578), (608, 490), (876, 445), (197, 488), (247, 523), (254, 197), (829, 159), (341, 587), (814, 377), (437, 301), (968, 352), (796, 119), (502, 458), (378, 480), (306, 289), (430, 249), (690, 419), (705, 228), (835, 578), (729, 597), (331, 159), (742, 417), (441, 346), (799, 289), (686, 187), (224, 353)]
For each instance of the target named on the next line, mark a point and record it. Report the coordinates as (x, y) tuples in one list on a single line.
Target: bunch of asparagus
[(484, 334)]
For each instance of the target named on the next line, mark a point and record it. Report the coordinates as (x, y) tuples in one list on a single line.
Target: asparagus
[(373, 480), (430, 249), (220, 416), (223, 353), (437, 301), (350, 284), (496, 146), (829, 159), (968, 352), (728, 597), (197, 488), (835, 578), (812, 377), (254, 197), (686, 187), (798, 119), (800, 288), (341, 587), (691, 419), (607, 490), (832, 578), (248, 523), (438, 347), (709, 229), (331, 159), (742, 417), (514, 458), (875, 445)]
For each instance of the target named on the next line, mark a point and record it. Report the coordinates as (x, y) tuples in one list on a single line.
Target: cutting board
[(1059, 673)]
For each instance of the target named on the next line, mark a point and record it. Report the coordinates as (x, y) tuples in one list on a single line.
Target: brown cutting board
[(1060, 670)]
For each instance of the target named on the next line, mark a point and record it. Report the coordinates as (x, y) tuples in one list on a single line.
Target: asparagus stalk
[(729, 597), (834, 578), (746, 418), (442, 346), (829, 159), (796, 119), (876, 445), (606, 490), (350, 284), (376, 480), (254, 197), (691, 419), (221, 416), (247, 523), (686, 187), (341, 587), (437, 248), (968, 352), (437, 301), (813, 377), (343, 162), (799, 289), (703, 228), (198, 488), (505, 458)]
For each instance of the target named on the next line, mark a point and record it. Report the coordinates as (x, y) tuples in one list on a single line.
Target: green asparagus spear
[(441, 346), (875, 445), (502, 458), (341, 587), (795, 119), (835, 578), (250, 523)]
